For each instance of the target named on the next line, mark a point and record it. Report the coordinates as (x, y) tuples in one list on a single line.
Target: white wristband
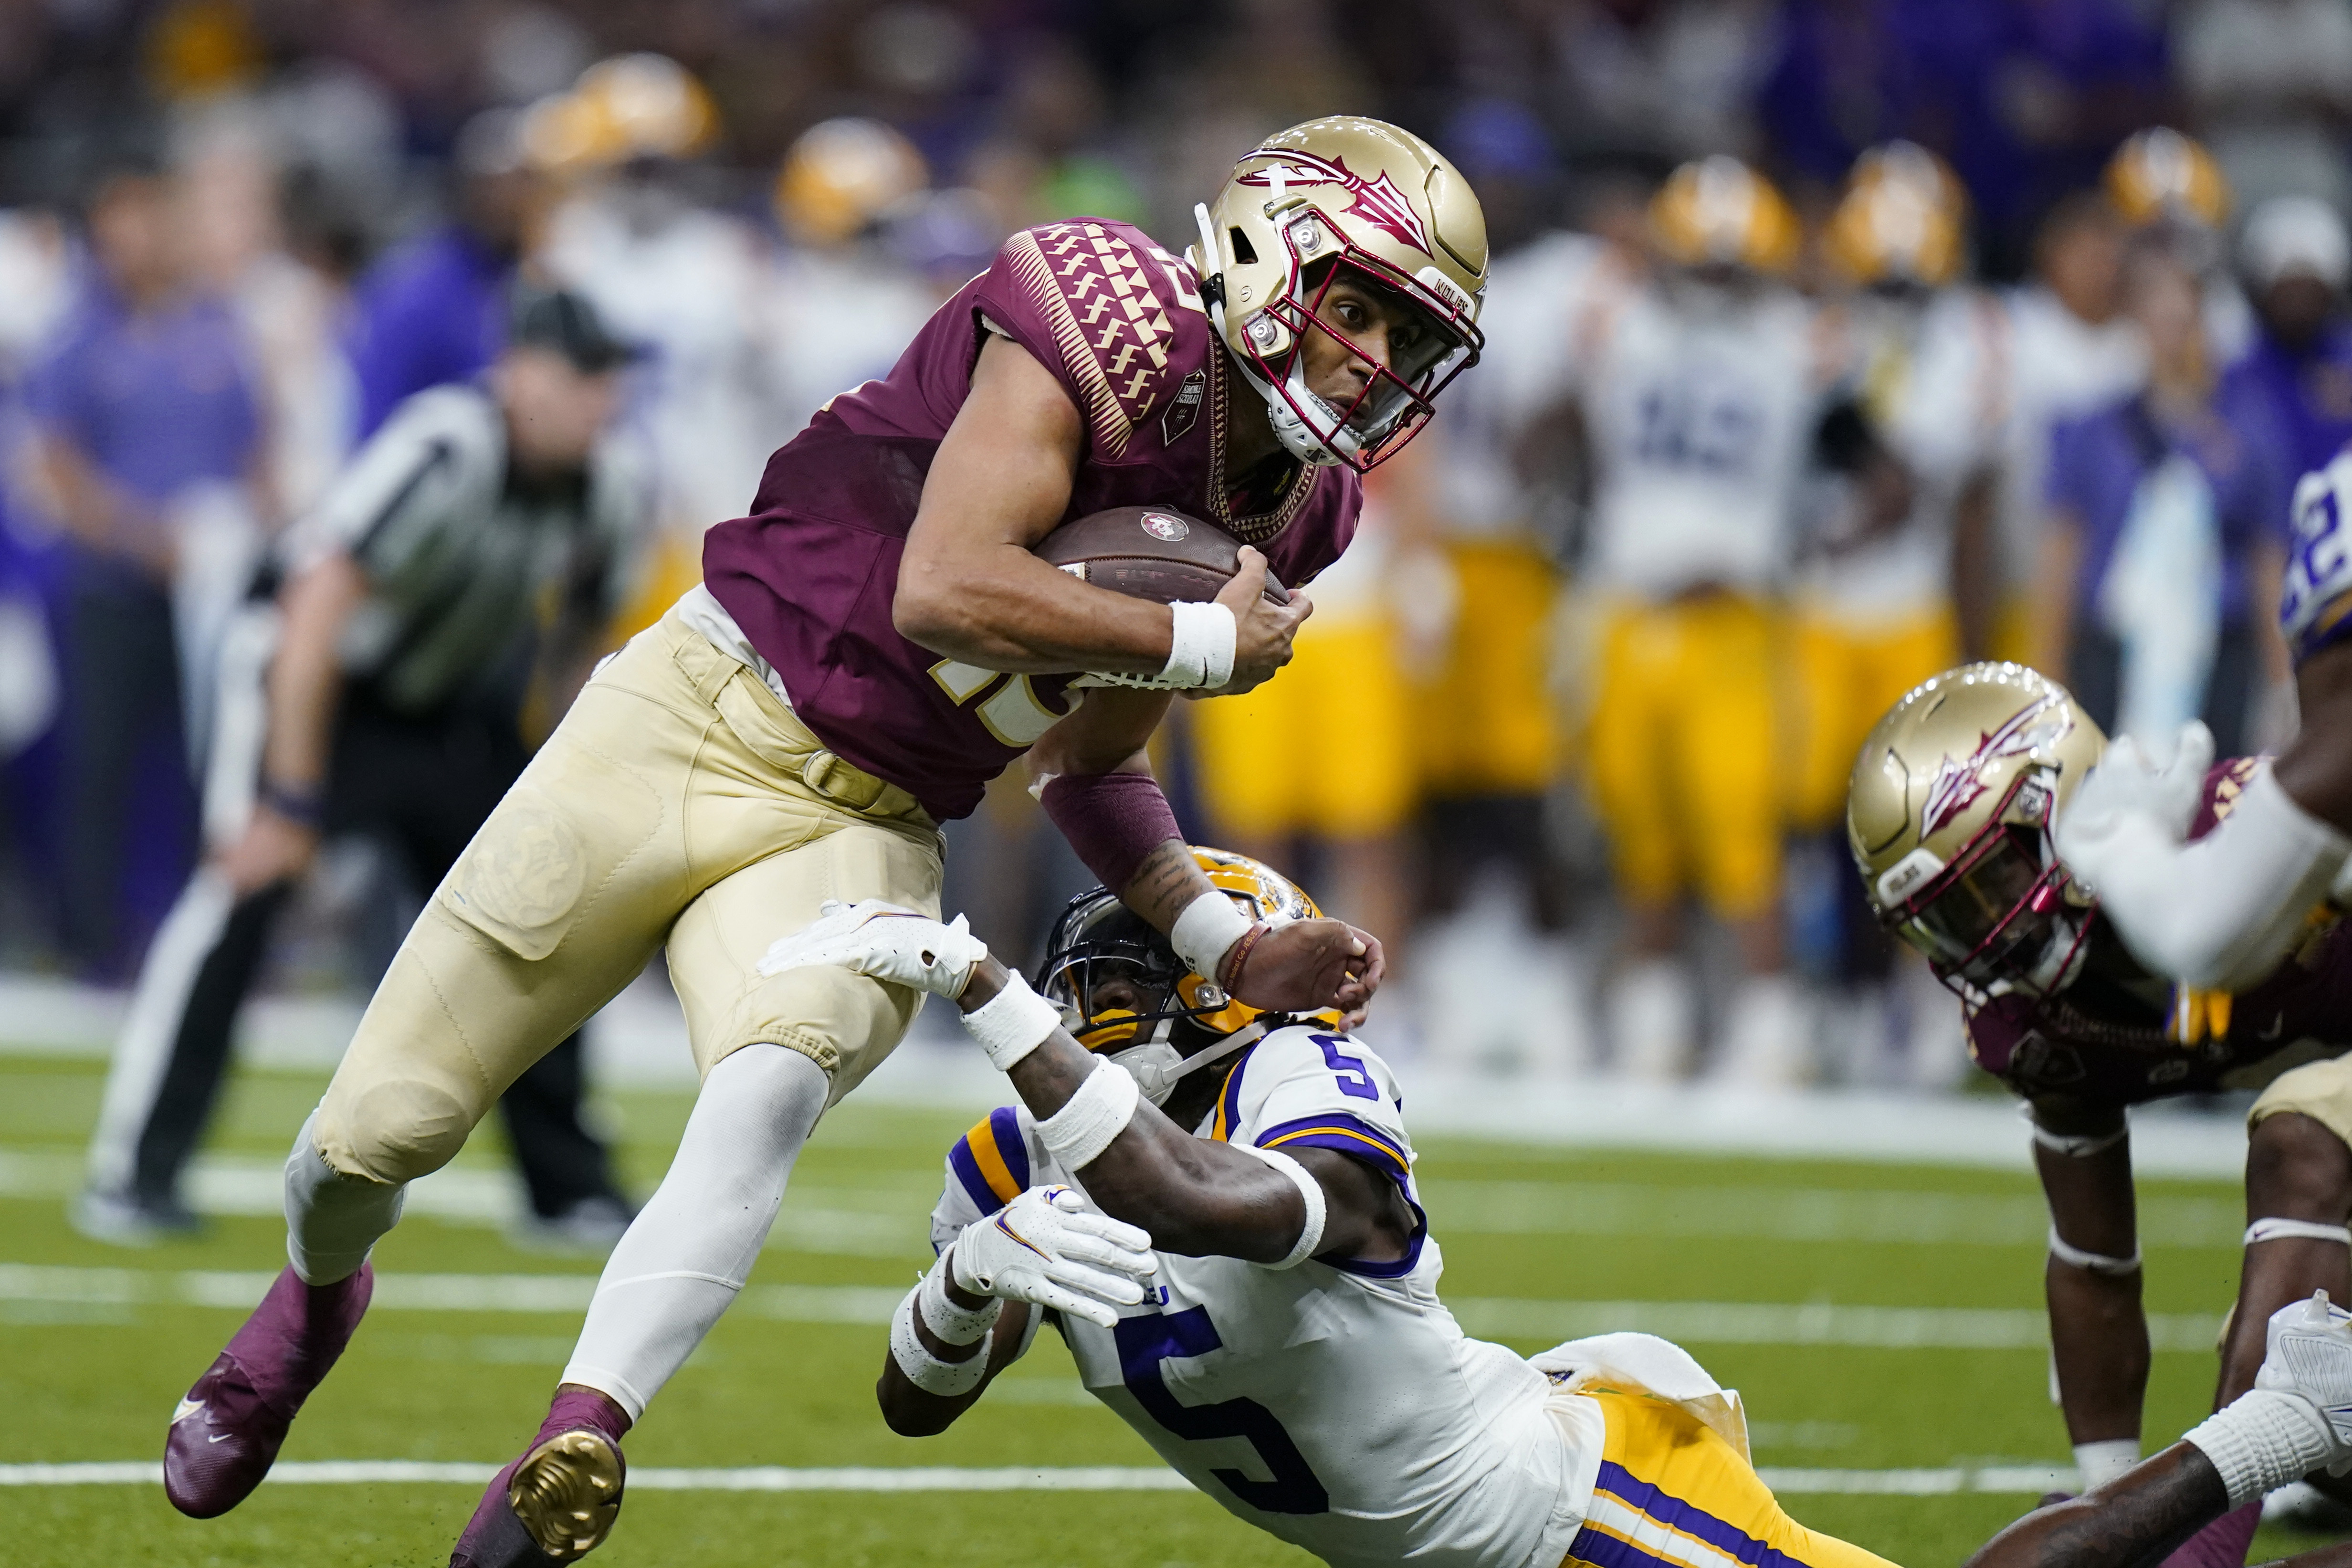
[(1013, 1023), (2093, 1262), (953, 1324), (2272, 1228), (947, 1379), (1310, 1239), (1077, 1133), (1200, 646), (1207, 930)]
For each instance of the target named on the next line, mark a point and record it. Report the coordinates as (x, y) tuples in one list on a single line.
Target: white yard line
[(2002, 1478), (1517, 1318)]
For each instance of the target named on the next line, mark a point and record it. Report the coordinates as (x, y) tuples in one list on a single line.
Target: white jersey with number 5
[(1337, 1407)]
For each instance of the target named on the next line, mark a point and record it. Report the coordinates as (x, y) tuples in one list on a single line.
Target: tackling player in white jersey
[(1275, 1332)]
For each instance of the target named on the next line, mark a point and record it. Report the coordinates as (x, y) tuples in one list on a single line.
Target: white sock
[(691, 1247), (332, 1219), (2262, 1440)]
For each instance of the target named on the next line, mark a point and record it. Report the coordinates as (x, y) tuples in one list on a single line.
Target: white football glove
[(884, 941), (2126, 785), (1052, 1246)]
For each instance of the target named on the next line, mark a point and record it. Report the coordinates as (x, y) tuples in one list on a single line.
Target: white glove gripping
[(947, 1379), (2217, 914), (1099, 1111), (2124, 781), (1310, 1239), (1206, 930), (894, 945), (1052, 1246), (1199, 652), (1013, 1023)]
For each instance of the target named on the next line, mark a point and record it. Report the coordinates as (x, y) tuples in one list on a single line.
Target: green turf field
[(94, 1362)]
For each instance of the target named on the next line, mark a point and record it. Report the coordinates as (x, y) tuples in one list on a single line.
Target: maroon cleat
[(226, 1432), (558, 1502)]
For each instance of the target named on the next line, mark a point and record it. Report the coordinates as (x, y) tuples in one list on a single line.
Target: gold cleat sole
[(567, 1492)]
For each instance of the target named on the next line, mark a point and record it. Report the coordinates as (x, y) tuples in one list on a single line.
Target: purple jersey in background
[(810, 573), (430, 313), (2308, 392)]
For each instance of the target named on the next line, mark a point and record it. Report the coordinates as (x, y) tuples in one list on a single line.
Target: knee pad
[(395, 1130)]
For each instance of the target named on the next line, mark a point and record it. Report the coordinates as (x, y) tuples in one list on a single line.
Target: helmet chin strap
[(1295, 435), (1157, 1068)]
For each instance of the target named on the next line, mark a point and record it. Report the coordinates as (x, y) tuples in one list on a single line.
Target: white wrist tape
[(1200, 651), (2095, 1262), (925, 1371), (2099, 1463), (1079, 1132), (1013, 1023), (2077, 1145), (954, 1325), (1207, 930), (1310, 1239), (2270, 1228), (2262, 1440)]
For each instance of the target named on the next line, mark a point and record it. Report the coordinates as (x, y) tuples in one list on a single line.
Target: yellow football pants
[(1674, 1494), (1324, 748), (680, 800), (1683, 751), (1846, 679), (1486, 724)]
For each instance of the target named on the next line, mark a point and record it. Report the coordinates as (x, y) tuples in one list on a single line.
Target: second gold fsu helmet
[(1344, 196)]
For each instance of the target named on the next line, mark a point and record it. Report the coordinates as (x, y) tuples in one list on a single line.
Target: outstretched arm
[(910, 1411)]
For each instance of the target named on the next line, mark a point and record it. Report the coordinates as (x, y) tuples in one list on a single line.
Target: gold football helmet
[(1719, 212), (1125, 994), (1344, 195), (2161, 176), (1948, 813), (841, 174), (1903, 220), (631, 106)]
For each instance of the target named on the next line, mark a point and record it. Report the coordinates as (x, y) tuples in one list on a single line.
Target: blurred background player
[(2296, 261), (148, 410), (451, 588), (1904, 469), (1696, 392), (2166, 536), (1949, 824)]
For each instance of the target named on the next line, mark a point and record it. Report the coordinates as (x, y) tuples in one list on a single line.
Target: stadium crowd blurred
[(1831, 341)]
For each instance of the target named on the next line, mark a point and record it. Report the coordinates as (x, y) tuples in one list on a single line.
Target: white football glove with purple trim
[(1051, 1245)]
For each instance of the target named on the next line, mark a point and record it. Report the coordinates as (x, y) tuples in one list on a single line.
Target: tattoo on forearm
[(1166, 873)]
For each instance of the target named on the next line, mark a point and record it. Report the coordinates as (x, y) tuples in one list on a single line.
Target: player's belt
[(774, 733)]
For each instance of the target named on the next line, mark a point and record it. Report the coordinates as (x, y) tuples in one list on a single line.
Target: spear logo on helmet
[(1377, 202), (1957, 782)]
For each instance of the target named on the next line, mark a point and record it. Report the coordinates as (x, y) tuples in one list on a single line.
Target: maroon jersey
[(2104, 1041), (809, 574)]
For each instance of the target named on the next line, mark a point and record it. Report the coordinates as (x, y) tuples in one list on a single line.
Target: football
[(1149, 553)]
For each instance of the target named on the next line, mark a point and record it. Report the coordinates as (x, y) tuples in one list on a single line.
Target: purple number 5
[(1145, 1343), (1349, 1070)]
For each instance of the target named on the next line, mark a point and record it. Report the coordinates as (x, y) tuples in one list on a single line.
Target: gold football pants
[(678, 802), (1847, 677)]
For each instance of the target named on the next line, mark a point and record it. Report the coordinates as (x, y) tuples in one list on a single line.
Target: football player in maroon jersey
[(868, 648)]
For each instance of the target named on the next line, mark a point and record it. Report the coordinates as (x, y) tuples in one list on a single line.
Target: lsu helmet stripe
[(1344, 1135)]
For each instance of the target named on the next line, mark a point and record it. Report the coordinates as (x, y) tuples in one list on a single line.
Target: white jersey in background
[(835, 321), (1338, 1407), (1699, 410), (686, 283), (1936, 385)]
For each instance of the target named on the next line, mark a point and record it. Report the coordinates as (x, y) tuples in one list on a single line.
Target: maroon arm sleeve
[(1113, 820)]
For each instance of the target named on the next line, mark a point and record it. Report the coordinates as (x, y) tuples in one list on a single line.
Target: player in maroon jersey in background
[(869, 648), (1948, 813)]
